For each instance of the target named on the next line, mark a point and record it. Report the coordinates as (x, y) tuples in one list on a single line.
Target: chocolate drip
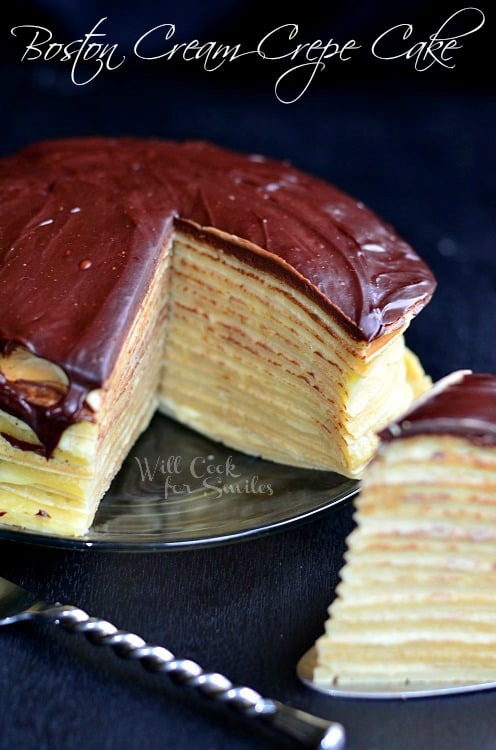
[(82, 224)]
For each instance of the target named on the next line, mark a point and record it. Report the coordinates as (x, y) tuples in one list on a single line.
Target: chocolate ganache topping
[(463, 404), (83, 221)]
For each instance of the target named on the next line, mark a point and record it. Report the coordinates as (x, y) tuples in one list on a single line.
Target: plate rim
[(13, 534)]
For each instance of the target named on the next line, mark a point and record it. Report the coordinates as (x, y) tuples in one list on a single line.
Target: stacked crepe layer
[(61, 494), (254, 363), (416, 604)]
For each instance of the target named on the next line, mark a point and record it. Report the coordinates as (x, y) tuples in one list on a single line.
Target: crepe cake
[(417, 600), (246, 299)]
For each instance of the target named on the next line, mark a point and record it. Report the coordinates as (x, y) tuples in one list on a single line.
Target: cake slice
[(254, 303), (416, 605)]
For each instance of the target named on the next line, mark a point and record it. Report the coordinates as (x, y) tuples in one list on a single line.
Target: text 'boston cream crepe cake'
[(417, 601), (258, 305)]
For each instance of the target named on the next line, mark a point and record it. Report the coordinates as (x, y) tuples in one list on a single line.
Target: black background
[(419, 148)]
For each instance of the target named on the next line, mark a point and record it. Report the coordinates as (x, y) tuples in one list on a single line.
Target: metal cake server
[(17, 604)]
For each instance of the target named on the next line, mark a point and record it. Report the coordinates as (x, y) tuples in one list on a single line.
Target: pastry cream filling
[(40, 381), (21, 364)]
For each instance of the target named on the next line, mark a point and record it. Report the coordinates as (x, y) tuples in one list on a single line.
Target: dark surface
[(419, 149)]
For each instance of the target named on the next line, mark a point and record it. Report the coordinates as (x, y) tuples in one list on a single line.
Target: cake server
[(17, 604)]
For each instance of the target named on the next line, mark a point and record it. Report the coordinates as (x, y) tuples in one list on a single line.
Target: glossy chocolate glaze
[(465, 408), (82, 224)]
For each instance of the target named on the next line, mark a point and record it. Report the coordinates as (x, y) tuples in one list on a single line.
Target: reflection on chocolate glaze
[(82, 224), (465, 408)]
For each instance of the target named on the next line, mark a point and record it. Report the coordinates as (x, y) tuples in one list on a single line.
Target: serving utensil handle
[(308, 730)]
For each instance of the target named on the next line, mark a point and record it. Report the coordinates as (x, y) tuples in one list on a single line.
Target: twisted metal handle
[(308, 729)]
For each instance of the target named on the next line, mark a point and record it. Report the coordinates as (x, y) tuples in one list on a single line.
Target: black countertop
[(423, 155)]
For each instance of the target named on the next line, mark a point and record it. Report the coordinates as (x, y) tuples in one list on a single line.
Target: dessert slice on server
[(417, 600), (250, 301)]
